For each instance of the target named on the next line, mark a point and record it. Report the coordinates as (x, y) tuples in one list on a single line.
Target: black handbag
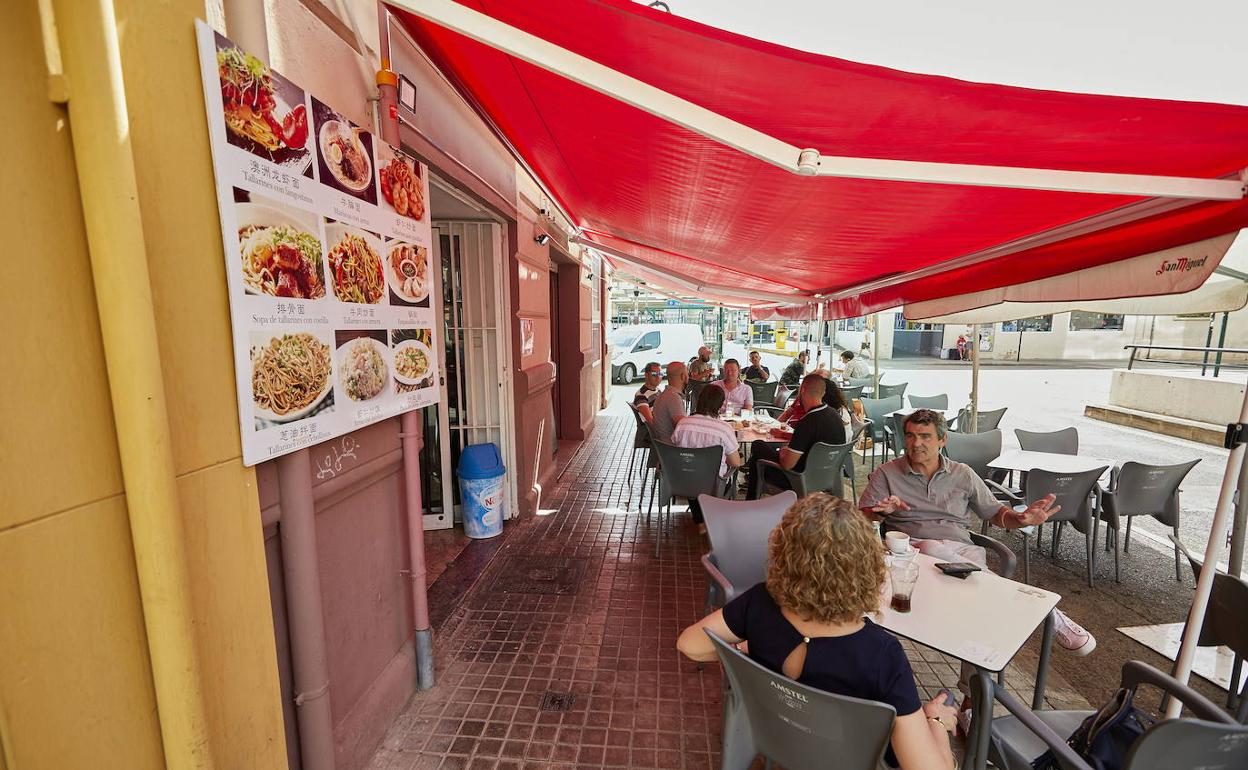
[(1104, 738)]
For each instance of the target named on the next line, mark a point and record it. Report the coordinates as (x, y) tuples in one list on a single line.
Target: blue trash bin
[(481, 475)]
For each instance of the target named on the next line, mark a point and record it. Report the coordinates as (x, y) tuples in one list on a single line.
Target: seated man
[(701, 368), (669, 408), (649, 390), (756, 372), (818, 424), (930, 498), (794, 372), (737, 394), (703, 428), (853, 366)]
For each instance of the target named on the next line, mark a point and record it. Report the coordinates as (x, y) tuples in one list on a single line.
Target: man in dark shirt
[(818, 425), (649, 389), (756, 372), (794, 372)]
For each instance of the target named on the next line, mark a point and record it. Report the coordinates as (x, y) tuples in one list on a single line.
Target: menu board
[(327, 254)]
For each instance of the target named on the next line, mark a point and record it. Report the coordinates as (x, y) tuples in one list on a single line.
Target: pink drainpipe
[(410, 428)]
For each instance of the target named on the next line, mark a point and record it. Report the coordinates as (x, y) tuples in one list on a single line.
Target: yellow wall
[(75, 681)]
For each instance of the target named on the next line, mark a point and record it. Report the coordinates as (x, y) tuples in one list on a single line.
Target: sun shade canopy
[(654, 192)]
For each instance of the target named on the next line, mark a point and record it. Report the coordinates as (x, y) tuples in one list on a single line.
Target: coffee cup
[(898, 542)]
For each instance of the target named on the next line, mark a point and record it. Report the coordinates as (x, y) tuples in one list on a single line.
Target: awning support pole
[(1217, 359), (974, 380), (875, 345), (1213, 551)]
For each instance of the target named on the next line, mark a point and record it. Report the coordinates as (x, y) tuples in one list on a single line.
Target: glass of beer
[(903, 573)]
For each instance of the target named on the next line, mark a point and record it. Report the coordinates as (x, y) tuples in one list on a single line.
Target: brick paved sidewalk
[(563, 652)]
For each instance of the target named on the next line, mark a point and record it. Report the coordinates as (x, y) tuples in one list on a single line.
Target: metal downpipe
[(104, 160), (410, 428)]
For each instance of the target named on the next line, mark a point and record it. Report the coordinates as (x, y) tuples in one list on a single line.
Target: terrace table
[(1019, 460), (983, 620)]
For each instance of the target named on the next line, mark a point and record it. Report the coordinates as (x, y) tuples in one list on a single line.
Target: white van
[(632, 347)]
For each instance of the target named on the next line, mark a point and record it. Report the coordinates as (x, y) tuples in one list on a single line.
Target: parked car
[(633, 346)]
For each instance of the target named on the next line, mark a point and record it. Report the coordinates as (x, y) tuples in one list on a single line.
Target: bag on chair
[(1104, 738)]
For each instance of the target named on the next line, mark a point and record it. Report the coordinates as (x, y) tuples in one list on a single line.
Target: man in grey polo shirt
[(669, 407)]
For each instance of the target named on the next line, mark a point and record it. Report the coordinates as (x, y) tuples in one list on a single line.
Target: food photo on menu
[(354, 263), (363, 371), (280, 250), (402, 189), (344, 153), (265, 113), (407, 270), (290, 376), (413, 359)]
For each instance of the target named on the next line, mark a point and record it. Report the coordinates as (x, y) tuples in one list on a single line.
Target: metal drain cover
[(549, 575), (557, 701)]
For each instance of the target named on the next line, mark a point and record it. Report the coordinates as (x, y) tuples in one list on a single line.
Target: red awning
[(674, 200)]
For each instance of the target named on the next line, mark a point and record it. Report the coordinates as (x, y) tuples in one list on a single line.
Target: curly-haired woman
[(825, 574)]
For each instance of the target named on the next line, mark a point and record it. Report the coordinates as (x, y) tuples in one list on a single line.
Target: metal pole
[(1213, 550), (301, 577), (875, 346), (818, 331), (1217, 360), (1208, 342), (974, 380), (1235, 560)]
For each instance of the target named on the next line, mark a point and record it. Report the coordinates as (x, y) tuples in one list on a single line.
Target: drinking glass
[(904, 574)]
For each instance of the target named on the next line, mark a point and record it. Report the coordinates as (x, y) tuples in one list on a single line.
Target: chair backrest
[(738, 531), (898, 423), (1149, 489), (822, 473), (930, 402), (1072, 491), (695, 387), (974, 449), (892, 390), (689, 472), (641, 438), (1226, 617), (783, 394), (801, 727), (1061, 442), (764, 392), (861, 381), (988, 420), (1190, 744), (851, 392), (876, 408)]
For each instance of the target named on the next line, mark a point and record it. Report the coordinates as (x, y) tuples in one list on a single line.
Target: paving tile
[(608, 640)]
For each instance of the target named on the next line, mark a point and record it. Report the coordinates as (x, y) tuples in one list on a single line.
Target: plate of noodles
[(289, 375), (280, 252), (355, 264), (362, 368), (413, 362)]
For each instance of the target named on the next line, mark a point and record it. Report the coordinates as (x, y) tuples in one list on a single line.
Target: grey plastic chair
[(738, 531), (875, 409), (848, 468), (1137, 489), (685, 473), (895, 434), (861, 382), (1226, 624), (930, 402), (1210, 740), (783, 394), (796, 726), (888, 391), (988, 420), (1078, 494), (850, 392), (823, 472), (764, 392), (641, 440), (695, 389), (1061, 442)]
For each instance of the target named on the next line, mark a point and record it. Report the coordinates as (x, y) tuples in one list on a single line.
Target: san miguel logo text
[(1182, 264)]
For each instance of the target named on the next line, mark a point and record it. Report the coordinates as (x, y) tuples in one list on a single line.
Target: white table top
[(1018, 460), (949, 414), (983, 620)]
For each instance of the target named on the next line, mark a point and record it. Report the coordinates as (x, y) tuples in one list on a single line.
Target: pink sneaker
[(1072, 636)]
